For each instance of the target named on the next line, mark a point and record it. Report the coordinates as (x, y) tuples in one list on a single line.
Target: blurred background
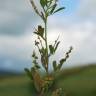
[(76, 26)]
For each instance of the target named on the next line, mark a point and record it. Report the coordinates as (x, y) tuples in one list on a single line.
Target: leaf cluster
[(49, 8)]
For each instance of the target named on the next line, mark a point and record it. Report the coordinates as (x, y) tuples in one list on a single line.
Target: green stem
[(47, 59)]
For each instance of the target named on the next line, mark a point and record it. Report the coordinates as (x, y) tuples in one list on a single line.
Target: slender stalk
[(46, 43)]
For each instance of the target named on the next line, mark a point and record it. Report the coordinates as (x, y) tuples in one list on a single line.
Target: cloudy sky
[(75, 25)]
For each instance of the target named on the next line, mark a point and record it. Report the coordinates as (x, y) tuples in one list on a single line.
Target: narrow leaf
[(42, 15), (54, 65), (28, 72), (46, 2), (43, 3), (51, 49), (61, 63), (53, 8), (59, 9), (56, 46), (43, 60)]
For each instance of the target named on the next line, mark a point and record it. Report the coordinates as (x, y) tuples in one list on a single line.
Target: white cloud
[(81, 35), (15, 16), (87, 9), (19, 47)]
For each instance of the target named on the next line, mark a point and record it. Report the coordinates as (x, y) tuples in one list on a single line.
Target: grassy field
[(79, 81)]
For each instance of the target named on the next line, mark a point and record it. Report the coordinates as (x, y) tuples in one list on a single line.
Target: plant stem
[(47, 59)]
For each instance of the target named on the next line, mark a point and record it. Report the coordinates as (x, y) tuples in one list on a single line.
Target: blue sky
[(76, 26)]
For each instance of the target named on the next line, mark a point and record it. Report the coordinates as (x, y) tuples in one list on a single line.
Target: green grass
[(76, 82)]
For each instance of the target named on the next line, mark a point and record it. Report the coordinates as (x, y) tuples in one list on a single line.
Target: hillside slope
[(76, 82)]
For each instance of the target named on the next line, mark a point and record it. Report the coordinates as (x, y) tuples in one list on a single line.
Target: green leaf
[(59, 9), (35, 62), (54, 65), (34, 55), (43, 60), (53, 8), (40, 31), (42, 15), (43, 57), (43, 51), (46, 2), (61, 63), (56, 46), (43, 3), (37, 66), (51, 48), (50, 2), (28, 72), (36, 33)]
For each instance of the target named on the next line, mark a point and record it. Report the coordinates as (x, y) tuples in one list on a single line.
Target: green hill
[(79, 81)]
